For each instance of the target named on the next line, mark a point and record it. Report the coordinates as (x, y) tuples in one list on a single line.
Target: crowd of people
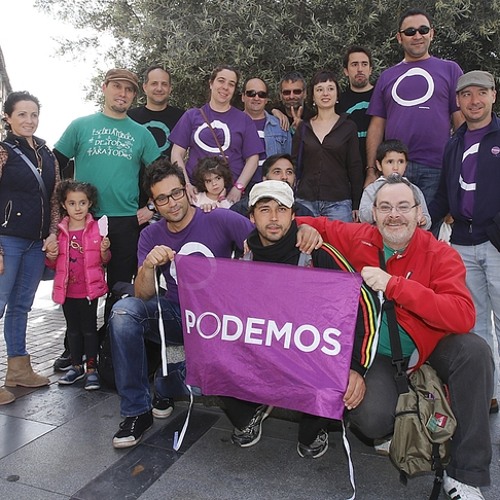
[(371, 171)]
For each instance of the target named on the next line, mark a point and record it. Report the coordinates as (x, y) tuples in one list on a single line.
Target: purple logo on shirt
[(495, 150)]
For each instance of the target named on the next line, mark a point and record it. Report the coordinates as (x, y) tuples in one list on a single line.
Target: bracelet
[(239, 187), (370, 168)]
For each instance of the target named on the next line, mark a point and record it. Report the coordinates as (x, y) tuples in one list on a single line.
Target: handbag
[(424, 420)]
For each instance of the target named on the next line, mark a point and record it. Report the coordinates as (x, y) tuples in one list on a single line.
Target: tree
[(270, 37)]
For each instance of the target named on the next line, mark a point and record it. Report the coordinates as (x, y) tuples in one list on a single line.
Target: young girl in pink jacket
[(79, 278)]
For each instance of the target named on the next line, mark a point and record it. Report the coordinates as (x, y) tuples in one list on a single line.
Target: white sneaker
[(455, 490)]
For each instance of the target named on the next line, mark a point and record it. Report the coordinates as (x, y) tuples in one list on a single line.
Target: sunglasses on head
[(423, 30), (253, 93), (294, 91)]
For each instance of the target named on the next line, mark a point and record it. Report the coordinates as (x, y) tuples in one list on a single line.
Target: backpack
[(423, 427)]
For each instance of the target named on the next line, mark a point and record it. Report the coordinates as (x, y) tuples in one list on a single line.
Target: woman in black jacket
[(28, 221)]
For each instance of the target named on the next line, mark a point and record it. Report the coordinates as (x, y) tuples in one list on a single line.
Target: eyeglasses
[(294, 92), (253, 93), (404, 208), (423, 30), (163, 199)]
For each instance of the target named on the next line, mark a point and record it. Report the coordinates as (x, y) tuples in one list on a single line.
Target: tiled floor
[(55, 444)]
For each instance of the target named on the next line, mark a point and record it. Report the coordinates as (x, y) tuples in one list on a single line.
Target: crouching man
[(426, 280), (272, 210)]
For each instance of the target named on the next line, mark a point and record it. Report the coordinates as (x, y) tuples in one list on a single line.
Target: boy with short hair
[(392, 158)]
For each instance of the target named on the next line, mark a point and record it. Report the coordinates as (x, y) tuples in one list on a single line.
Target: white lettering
[(327, 337), (226, 333), (250, 330), (274, 331), (266, 332), (216, 330), (190, 320), (298, 338)]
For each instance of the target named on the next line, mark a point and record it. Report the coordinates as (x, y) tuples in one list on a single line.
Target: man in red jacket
[(426, 280)]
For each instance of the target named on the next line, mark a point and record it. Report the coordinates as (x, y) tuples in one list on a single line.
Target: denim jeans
[(426, 178), (463, 362), (133, 320), (23, 267), (334, 210), (482, 264)]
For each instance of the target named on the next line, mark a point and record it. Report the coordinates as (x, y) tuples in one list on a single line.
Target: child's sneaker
[(72, 375), (92, 382)]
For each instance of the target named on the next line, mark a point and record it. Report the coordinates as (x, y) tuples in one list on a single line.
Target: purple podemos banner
[(268, 333)]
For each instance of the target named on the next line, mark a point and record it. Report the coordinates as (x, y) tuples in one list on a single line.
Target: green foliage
[(269, 37)]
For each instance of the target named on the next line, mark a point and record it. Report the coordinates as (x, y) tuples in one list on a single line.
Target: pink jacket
[(93, 265)]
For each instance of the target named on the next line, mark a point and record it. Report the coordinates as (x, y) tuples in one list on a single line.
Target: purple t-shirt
[(468, 172), (213, 234), (235, 131), (417, 100)]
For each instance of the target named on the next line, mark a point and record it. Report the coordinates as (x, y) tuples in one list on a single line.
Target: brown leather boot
[(6, 397), (19, 372)]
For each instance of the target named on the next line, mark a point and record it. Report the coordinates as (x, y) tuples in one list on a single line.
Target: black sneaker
[(162, 407), (250, 435), (132, 430), (63, 363), (317, 448)]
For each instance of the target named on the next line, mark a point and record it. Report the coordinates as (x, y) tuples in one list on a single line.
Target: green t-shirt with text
[(108, 153)]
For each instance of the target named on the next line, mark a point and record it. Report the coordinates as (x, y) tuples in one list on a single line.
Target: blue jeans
[(482, 264), (425, 177), (334, 210), (23, 267), (133, 320), (463, 362)]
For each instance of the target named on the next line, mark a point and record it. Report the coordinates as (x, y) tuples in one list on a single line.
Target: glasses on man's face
[(163, 199), (402, 208), (253, 93), (293, 91), (423, 30)]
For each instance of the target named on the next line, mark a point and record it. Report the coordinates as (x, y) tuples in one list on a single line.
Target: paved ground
[(55, 444)]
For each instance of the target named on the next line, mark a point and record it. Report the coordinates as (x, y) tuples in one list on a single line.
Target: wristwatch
[(151, 206), (239, 186)]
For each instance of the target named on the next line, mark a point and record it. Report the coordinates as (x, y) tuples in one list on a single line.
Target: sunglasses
[(423, 30), (253, 93), (294, 91)]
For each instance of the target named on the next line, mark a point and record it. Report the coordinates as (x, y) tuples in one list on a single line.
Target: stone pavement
[(55, 444)]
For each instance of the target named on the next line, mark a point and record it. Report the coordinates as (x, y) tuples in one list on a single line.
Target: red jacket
[(427, 284), (93, 265)]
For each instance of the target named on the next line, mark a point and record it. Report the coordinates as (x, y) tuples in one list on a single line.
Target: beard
[(359, 84)]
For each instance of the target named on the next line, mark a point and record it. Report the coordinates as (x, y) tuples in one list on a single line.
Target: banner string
[(161, 327), (347, 449)]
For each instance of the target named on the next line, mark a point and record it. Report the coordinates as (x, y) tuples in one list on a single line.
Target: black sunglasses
[(253, 93), (294, 91), (423, 30)]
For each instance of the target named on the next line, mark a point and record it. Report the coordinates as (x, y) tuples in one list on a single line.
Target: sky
[(29, 50)]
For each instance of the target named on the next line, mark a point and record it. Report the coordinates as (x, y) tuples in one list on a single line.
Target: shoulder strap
[(213, 133), (397, 352), (35, 171)]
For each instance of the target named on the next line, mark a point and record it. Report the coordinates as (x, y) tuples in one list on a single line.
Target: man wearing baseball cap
[(109, 148), (271, 207), (469, 192)]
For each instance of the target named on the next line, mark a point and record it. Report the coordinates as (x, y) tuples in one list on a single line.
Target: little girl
[(79, 278), (211, 178)]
